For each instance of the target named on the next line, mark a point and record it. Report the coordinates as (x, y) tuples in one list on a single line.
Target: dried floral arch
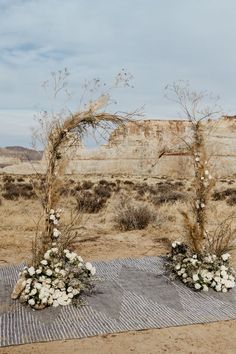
[(65, 133)]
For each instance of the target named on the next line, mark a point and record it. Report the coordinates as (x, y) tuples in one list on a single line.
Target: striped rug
[(132, 294)]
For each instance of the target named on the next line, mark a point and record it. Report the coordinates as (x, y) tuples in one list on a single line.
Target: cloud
[(158, 41)]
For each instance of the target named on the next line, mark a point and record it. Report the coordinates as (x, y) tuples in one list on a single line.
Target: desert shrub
[(165, 187), (113, 185), (8, 179), (78, 187), (133, 216), (87, 185), (128, 183), (222, 195), (232, 199), (20, 179), (178, 184), (170, 197), (103, 191), (141, 189), (13, 191), (103, 182), (88, 202)]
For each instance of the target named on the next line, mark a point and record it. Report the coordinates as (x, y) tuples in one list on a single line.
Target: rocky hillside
[(11, 155)]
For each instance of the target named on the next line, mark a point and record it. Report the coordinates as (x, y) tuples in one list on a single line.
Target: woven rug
[(132, 294)]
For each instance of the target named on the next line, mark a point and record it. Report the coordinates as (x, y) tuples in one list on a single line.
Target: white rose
[(88, 266), (56, 232), (38, 286), (55, 303), (38, 271), (218, 287), (93, 271), (195, 277), (225, 256), (31, 271), (197, 286), (205, 288), (31, 302), (44, 262)]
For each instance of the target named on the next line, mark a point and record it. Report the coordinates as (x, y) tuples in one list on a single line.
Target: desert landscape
[(117, 177), (100, 200)]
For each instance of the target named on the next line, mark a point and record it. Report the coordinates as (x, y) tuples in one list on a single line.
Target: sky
[(157, 41)]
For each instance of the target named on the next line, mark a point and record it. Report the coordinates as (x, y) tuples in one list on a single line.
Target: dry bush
[(88, 202), (103, 191), (222, 239), (130, 215), (222, 195), (87, 185), (20, 179), (169, 197), (12, 191), (8, 179), (232, 199)]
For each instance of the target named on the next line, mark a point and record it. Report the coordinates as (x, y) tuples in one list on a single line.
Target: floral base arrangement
[(60, 279), (201, 272)]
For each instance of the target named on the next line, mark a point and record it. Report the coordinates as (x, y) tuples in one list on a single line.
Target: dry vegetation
[(105, 238)]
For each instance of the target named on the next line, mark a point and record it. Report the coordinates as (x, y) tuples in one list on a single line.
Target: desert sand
[(101, 240)]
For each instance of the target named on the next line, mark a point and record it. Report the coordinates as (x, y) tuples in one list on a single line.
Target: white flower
[(202, 205), (38, 286), (197, 159), (52, 217), (218, 287), (195, 277), (52, 211), (93, 271), (225, 256), (47, 255), (55, 303), (205, 288), (31, 271), (63, 272), (89, 266), (230, 284), (31, 302), (80, 259), (174, 244), (224, 274), (38, 271), (33, 292), (206, 172), (44, 262), (224, 290), (197, 286), (177, 267), (223, 267), (49, 272), (56, 232)]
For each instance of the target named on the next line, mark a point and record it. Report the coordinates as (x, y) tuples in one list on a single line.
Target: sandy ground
[(100, 240)]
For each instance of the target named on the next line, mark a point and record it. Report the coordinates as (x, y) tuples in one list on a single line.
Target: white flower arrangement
[(60, 279), (201, 272)]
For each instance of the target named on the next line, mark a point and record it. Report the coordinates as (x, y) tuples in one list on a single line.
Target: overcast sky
[(158, 41)]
